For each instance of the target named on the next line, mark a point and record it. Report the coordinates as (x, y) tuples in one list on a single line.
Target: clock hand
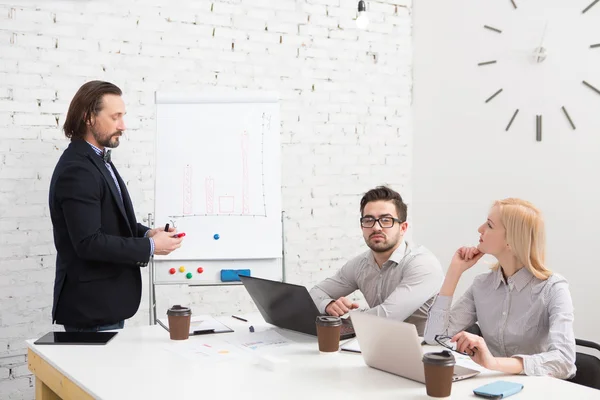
[(544, 34), (540, 52)]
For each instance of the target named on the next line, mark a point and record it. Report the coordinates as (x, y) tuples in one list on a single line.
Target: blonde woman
[(524, 311)]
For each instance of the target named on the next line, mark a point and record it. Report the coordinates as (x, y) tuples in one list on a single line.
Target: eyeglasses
[(384, 222), (444, 341)]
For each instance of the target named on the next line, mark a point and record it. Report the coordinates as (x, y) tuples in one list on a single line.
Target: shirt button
[(504, 313)]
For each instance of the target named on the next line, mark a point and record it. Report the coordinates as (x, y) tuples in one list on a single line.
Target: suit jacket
[(100, 246)]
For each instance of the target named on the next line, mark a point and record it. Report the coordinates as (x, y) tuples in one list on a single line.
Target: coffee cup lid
[(327, 320), (443, 358), (179, 311)]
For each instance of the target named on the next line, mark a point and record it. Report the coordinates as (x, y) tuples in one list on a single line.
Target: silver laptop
[(394, 346)]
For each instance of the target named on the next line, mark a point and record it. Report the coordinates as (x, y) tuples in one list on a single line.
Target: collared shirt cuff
[(529, 365), (442, 303), (437, 318), (147, 232), (324, 304), (151, 246)]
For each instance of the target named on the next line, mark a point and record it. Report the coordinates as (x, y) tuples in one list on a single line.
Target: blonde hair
[(525, 234)]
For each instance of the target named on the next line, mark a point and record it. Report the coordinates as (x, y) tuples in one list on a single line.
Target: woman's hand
[(476, 348), (465, 258)]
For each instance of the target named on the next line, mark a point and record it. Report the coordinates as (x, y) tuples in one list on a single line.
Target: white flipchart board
[(218, 179)]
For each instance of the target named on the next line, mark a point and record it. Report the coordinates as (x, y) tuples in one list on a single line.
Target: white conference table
[(143, 363)]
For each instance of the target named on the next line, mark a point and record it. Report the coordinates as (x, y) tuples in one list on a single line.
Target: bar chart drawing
[(245, 180), (210, 195), (234, 181), (187, 190), (218, 174), (226, 204)]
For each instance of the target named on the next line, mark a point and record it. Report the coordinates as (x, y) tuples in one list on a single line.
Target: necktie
[(106, 156)]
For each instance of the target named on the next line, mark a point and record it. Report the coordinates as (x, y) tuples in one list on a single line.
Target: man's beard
[(111, 141), (381, 247)]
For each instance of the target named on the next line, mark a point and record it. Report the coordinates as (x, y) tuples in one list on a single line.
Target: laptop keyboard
[(347, 327)]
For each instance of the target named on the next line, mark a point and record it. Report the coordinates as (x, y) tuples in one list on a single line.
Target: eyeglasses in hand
[(444, 341)]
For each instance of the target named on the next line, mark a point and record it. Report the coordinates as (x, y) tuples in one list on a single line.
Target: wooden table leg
[(51, 384), (43, 392)]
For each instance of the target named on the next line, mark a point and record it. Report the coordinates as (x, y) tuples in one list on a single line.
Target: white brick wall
[(345, 121)]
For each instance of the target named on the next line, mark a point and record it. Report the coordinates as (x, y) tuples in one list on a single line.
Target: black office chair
[(588, 366), (474, 329)]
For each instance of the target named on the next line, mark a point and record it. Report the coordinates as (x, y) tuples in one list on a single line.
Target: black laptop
[(288, 306)]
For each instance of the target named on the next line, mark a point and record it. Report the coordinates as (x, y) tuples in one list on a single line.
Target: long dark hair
[(86, 103)]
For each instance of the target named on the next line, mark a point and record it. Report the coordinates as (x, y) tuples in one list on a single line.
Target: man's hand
[(340, 307), (154, 231), (164, 242), (476, 348)]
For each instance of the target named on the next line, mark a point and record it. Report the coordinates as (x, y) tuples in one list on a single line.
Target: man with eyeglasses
[(398, 279)]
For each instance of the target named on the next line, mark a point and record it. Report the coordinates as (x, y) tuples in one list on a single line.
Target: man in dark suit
[(100, 245)]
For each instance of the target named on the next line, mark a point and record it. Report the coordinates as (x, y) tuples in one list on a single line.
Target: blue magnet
[(216, 236), (251, 329)]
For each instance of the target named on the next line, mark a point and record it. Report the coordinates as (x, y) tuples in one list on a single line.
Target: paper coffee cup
[(328, 333), (179, 322), (439, 369)]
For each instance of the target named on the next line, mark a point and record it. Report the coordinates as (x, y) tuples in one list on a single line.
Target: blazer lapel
[(99, 163), (126, 200)]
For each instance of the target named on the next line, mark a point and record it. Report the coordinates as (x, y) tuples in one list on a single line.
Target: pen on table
[(240, 318)]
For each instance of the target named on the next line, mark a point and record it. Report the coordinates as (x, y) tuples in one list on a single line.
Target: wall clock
[(538, 56)]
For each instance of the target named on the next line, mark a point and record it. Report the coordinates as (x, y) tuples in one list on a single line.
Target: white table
[(138, 364)]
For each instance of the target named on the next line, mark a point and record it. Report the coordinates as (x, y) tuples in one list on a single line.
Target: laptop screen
[(283, 304)]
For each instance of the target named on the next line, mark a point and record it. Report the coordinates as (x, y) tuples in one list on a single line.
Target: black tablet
[(91, 338)]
